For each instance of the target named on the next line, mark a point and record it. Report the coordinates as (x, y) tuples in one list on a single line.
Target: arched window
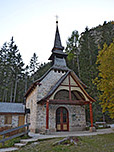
[(62, 95), (76, 95)]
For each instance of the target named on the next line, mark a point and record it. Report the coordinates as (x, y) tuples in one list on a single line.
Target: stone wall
[(2, 120), (76, 117), (15, 120), (14, 123), (38, 116), (41, 118), (31, 103)]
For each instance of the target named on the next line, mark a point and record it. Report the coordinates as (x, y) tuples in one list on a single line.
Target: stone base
[(47, 132), (81, 128), (92, 129)]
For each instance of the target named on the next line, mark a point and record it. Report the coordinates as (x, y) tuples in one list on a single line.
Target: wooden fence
[(3, 133)]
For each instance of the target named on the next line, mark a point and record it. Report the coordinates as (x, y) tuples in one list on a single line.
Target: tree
[(73, 52), (26, 77), (16, 66), (34, 65), (43, 68), (105, 79), (11, 72), (87, 57)]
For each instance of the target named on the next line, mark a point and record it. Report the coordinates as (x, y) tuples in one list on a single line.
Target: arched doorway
[(62, 119)]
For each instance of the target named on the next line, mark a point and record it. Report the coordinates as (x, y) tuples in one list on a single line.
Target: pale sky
[(32, 22)]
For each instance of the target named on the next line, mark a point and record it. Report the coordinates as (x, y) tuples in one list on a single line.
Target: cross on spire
[(56, 19)]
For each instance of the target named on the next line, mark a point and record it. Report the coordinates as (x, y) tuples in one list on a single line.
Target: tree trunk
[(11, 92), (25, 84), (15, 90), (103, 117), (78, 64), (3, 96), (6, 96)]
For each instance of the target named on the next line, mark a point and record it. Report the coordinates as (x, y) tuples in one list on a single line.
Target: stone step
[(28, 140), (19, 144), (8, 149)]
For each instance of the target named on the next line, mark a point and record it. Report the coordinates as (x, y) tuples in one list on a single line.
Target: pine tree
[(73, 52), (88, 53), (34, 65), (11, 67)]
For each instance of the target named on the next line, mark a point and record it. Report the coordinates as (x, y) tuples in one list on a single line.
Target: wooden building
[(11, 115), (57, 100)]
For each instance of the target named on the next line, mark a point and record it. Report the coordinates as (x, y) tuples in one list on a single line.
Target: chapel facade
[(57, 100)]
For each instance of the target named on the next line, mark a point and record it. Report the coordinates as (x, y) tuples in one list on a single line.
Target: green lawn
[(11, 142), (98, 143)]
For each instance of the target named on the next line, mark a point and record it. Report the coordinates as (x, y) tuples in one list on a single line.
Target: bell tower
[(58, 57)]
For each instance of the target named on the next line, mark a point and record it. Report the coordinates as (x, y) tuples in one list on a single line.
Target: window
[(64, 116), (62, 95), (76, 95), (58, 115), (8, 119)]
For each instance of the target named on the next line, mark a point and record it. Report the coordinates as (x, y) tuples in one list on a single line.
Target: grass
[(98, 143), (11, 142)]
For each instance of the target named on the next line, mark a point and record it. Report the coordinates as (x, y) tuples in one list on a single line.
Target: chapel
[(57, 100)]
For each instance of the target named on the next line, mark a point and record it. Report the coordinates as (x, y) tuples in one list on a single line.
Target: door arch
[(62, 119)]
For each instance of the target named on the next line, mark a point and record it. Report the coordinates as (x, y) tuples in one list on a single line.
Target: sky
[(32, 23)]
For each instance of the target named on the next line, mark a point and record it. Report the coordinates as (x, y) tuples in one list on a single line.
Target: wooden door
[(62, 121), (21, 120)]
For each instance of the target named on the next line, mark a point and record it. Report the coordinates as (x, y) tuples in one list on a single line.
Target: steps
[(20, 144), (8, 149), (28, 140)]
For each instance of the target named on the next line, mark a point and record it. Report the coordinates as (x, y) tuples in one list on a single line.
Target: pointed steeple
[(58, 48), (58, 57), (57, 42)]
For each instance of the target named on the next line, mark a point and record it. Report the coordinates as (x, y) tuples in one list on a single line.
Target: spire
[(57, 42), (58, 57)]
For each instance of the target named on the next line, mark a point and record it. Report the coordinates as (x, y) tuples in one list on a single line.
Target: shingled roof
[(55, 86), (6, 107)]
